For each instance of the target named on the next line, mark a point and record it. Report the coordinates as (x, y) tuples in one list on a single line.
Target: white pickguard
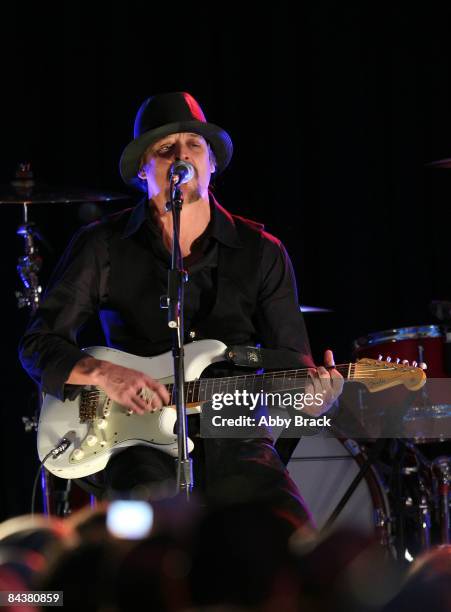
[(95, 443)]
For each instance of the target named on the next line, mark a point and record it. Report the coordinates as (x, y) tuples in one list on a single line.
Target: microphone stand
[(177, 276)]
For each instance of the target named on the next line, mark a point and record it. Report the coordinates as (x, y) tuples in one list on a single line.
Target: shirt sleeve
[(279, 319), (48, 350)]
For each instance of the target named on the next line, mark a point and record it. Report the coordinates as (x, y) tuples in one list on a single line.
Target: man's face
[(161, 154)]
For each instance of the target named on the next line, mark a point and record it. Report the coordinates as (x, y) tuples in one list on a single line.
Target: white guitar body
[(112, 429)]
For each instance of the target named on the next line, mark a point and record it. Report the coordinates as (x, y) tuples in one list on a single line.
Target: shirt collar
[(223, 227)]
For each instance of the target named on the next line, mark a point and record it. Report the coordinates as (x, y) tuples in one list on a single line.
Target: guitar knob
[(78, 454), (405, 362), (102, 423), (423, 365), (414, 364), (388, 359), (91, 440), (398, 360), (379, 358)]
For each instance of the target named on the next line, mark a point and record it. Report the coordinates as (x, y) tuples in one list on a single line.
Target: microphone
[(181, 172)]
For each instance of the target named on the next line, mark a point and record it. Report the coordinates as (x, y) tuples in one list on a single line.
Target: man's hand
[(327, 382), (130, 388)]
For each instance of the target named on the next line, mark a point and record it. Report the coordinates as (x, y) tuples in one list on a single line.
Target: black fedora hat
[(166, 114)]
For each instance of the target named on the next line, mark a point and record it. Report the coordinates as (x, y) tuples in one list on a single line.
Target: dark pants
[(226, 471)]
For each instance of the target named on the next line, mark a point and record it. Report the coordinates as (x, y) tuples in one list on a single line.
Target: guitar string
[(200, 386), (299, 374)]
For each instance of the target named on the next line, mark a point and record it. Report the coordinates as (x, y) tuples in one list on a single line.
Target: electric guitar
[(100, 427)]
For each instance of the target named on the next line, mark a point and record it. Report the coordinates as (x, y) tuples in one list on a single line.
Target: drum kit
[(396, 488)]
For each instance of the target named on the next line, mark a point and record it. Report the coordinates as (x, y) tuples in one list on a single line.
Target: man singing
[(241, 291)]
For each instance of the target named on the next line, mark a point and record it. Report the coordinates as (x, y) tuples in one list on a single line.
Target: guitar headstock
[(377, 374)]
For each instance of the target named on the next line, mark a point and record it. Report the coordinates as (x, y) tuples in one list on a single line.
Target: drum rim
[(414, 332), (356, 452)]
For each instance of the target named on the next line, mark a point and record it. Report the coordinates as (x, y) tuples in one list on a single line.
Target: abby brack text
[(271, 421)]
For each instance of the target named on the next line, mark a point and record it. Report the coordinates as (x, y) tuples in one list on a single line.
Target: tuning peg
[(379, 358), (405, 362), (414, 364), (388, 359), (423, 365), (398, 360)]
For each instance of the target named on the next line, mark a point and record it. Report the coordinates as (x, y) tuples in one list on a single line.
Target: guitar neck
[(203, 389)]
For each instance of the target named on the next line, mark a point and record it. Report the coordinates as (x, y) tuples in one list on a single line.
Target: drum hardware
[(28, 265), (422, 510), (425, 522), (383, 526), (442, 469), (422, 507), (411, 497), (431, 491), (24, 191), (399, 502)]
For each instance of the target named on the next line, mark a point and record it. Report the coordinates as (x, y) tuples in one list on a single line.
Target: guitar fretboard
[(203, 389)]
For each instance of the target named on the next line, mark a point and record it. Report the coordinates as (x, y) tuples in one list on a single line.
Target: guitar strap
[(257, 357)]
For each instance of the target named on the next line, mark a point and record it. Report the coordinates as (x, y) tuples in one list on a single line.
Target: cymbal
[(440, 163), (10, 194), (304, 308)]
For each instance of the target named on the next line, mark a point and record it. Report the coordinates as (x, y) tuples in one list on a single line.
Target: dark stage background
[(333, 112)]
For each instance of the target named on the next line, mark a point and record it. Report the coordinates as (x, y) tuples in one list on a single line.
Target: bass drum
[(323, 468)]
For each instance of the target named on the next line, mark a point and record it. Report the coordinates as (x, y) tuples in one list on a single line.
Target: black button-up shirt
[(118, 269)]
